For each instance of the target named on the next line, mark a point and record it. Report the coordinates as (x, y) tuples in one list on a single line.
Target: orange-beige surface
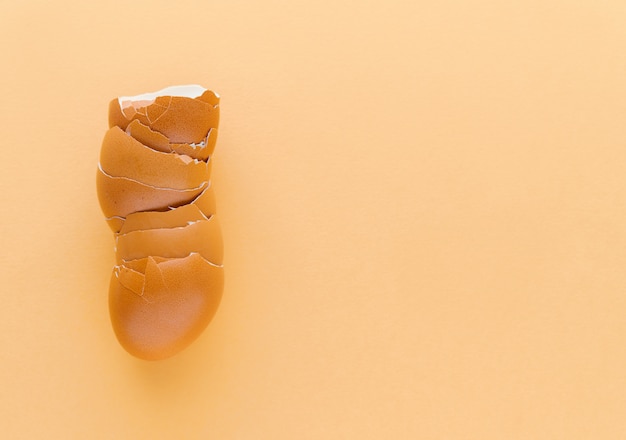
[(423, 207)]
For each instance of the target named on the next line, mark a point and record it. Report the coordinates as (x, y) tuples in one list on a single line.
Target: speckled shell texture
[(154, 188)]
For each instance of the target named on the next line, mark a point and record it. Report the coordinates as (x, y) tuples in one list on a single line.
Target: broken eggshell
[(123, 156), (205, 203), (184, 116), (120, 196), (160, 309), (154, 189), (157, 141), (201, 236)]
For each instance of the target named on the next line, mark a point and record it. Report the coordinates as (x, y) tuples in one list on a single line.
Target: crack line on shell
[(169, 207), (172, 153), (169, 104), (177, 258), (189, 223), (204, 184)]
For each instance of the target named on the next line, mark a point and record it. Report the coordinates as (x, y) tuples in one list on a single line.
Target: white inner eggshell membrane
[(185, 91)]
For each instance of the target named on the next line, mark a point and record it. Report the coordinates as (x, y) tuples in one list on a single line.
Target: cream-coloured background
[(423, 204)]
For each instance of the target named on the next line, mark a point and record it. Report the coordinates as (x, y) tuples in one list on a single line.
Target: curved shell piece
[(148, 137), (159, 142), (159, 312), (174, 218), (115, 223), (203, 237), (120, 196), (205, 202), (181, 119), (123, 156), (202, 150)]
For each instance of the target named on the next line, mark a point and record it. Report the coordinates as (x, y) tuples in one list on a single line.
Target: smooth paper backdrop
[(423, 205)]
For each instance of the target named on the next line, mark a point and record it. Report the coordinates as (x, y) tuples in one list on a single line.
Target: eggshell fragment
[(159, 142), (130, 278), (178, 300), (148, 137), (123, 156), (181, 119), (205, 202), (202, 150), (174, 218), (203, 237), (115, 223), (120, 196)]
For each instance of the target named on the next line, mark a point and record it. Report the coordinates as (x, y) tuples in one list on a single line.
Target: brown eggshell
[(174, 218), (153, 187), (140, 265), (123, 156), (201, 151), (159, 142), (120, 196), (115, 223), (131, 279), (210, 97), (179, 298), (205, 202), (148, 137), (181, 119), (203, 237), (116, 117)]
